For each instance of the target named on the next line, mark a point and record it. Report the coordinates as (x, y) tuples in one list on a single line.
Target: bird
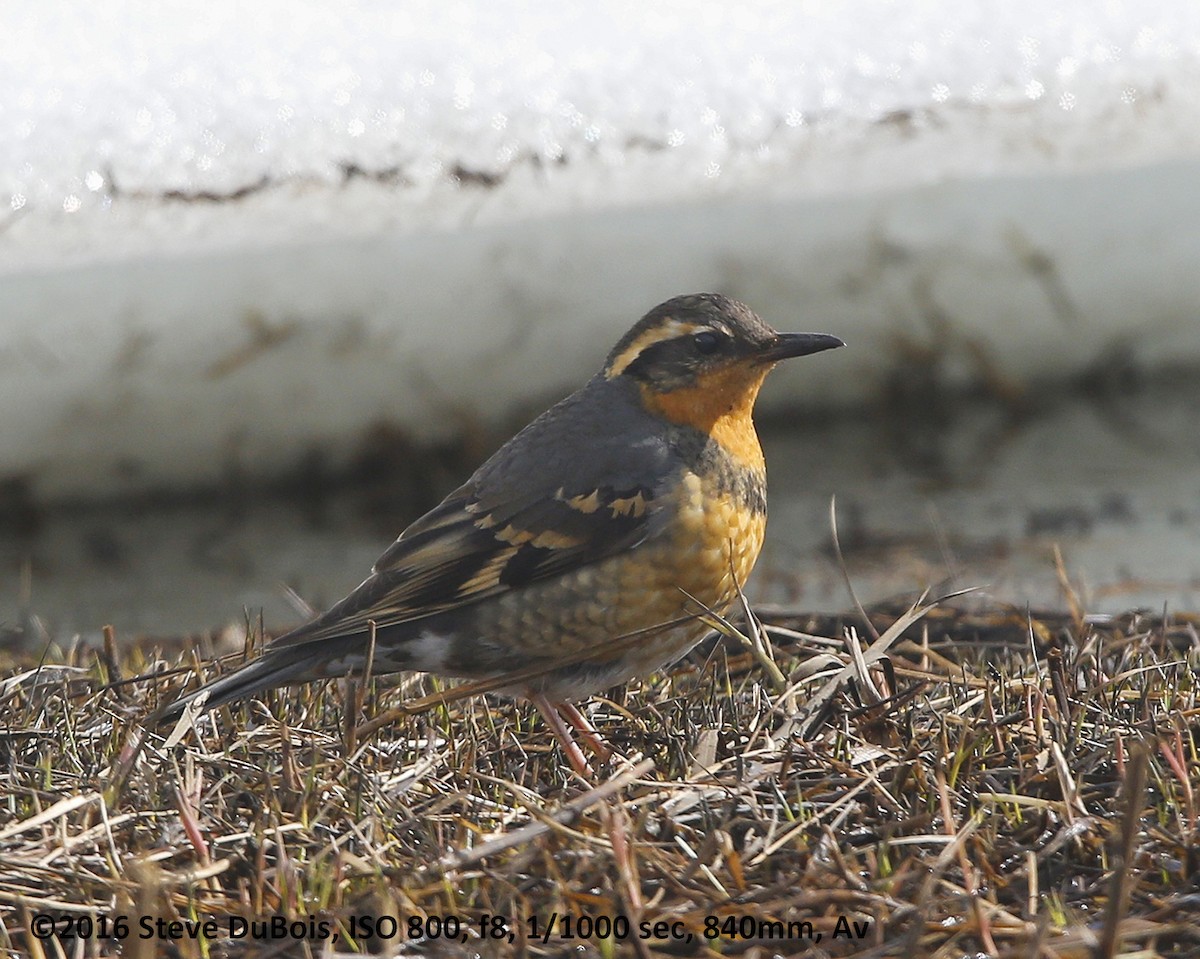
[(591, 548)]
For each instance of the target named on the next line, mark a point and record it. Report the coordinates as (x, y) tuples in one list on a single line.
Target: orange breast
[(720, 538)]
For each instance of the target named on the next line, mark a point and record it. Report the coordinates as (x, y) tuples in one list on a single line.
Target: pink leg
[(570, 712), (550, 713)]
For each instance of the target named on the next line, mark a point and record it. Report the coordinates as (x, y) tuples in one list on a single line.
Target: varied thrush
[(588, 549)]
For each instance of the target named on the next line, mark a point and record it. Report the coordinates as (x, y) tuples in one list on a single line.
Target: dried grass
[(987, 781)]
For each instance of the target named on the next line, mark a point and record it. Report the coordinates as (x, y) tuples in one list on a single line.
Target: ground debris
[(1001, 782)]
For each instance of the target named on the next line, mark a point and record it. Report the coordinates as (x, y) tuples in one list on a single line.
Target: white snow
[(147, 98), (237, 231)]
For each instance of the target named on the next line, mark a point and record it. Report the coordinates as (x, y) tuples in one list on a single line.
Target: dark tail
[(280, 666)]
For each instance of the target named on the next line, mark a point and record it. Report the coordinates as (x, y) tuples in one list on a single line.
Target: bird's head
[(700, 359)]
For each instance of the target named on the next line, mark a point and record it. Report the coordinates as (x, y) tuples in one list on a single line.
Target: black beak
[(787, 345)]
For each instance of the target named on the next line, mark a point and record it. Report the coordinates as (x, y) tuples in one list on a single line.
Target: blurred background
[(276, 277)]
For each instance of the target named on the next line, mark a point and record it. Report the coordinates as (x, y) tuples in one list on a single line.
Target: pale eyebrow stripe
[(669, 330)]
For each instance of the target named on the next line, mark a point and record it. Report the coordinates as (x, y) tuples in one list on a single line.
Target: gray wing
[(581, 483)]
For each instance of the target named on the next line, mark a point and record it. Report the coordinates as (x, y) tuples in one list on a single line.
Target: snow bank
[(239, 232)]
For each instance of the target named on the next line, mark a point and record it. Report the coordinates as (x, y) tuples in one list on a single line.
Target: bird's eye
[(707, 342)]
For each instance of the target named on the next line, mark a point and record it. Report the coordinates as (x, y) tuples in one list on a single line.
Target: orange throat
[(720, 405)]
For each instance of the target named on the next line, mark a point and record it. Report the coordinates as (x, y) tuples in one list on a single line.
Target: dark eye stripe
[(707, 341)]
